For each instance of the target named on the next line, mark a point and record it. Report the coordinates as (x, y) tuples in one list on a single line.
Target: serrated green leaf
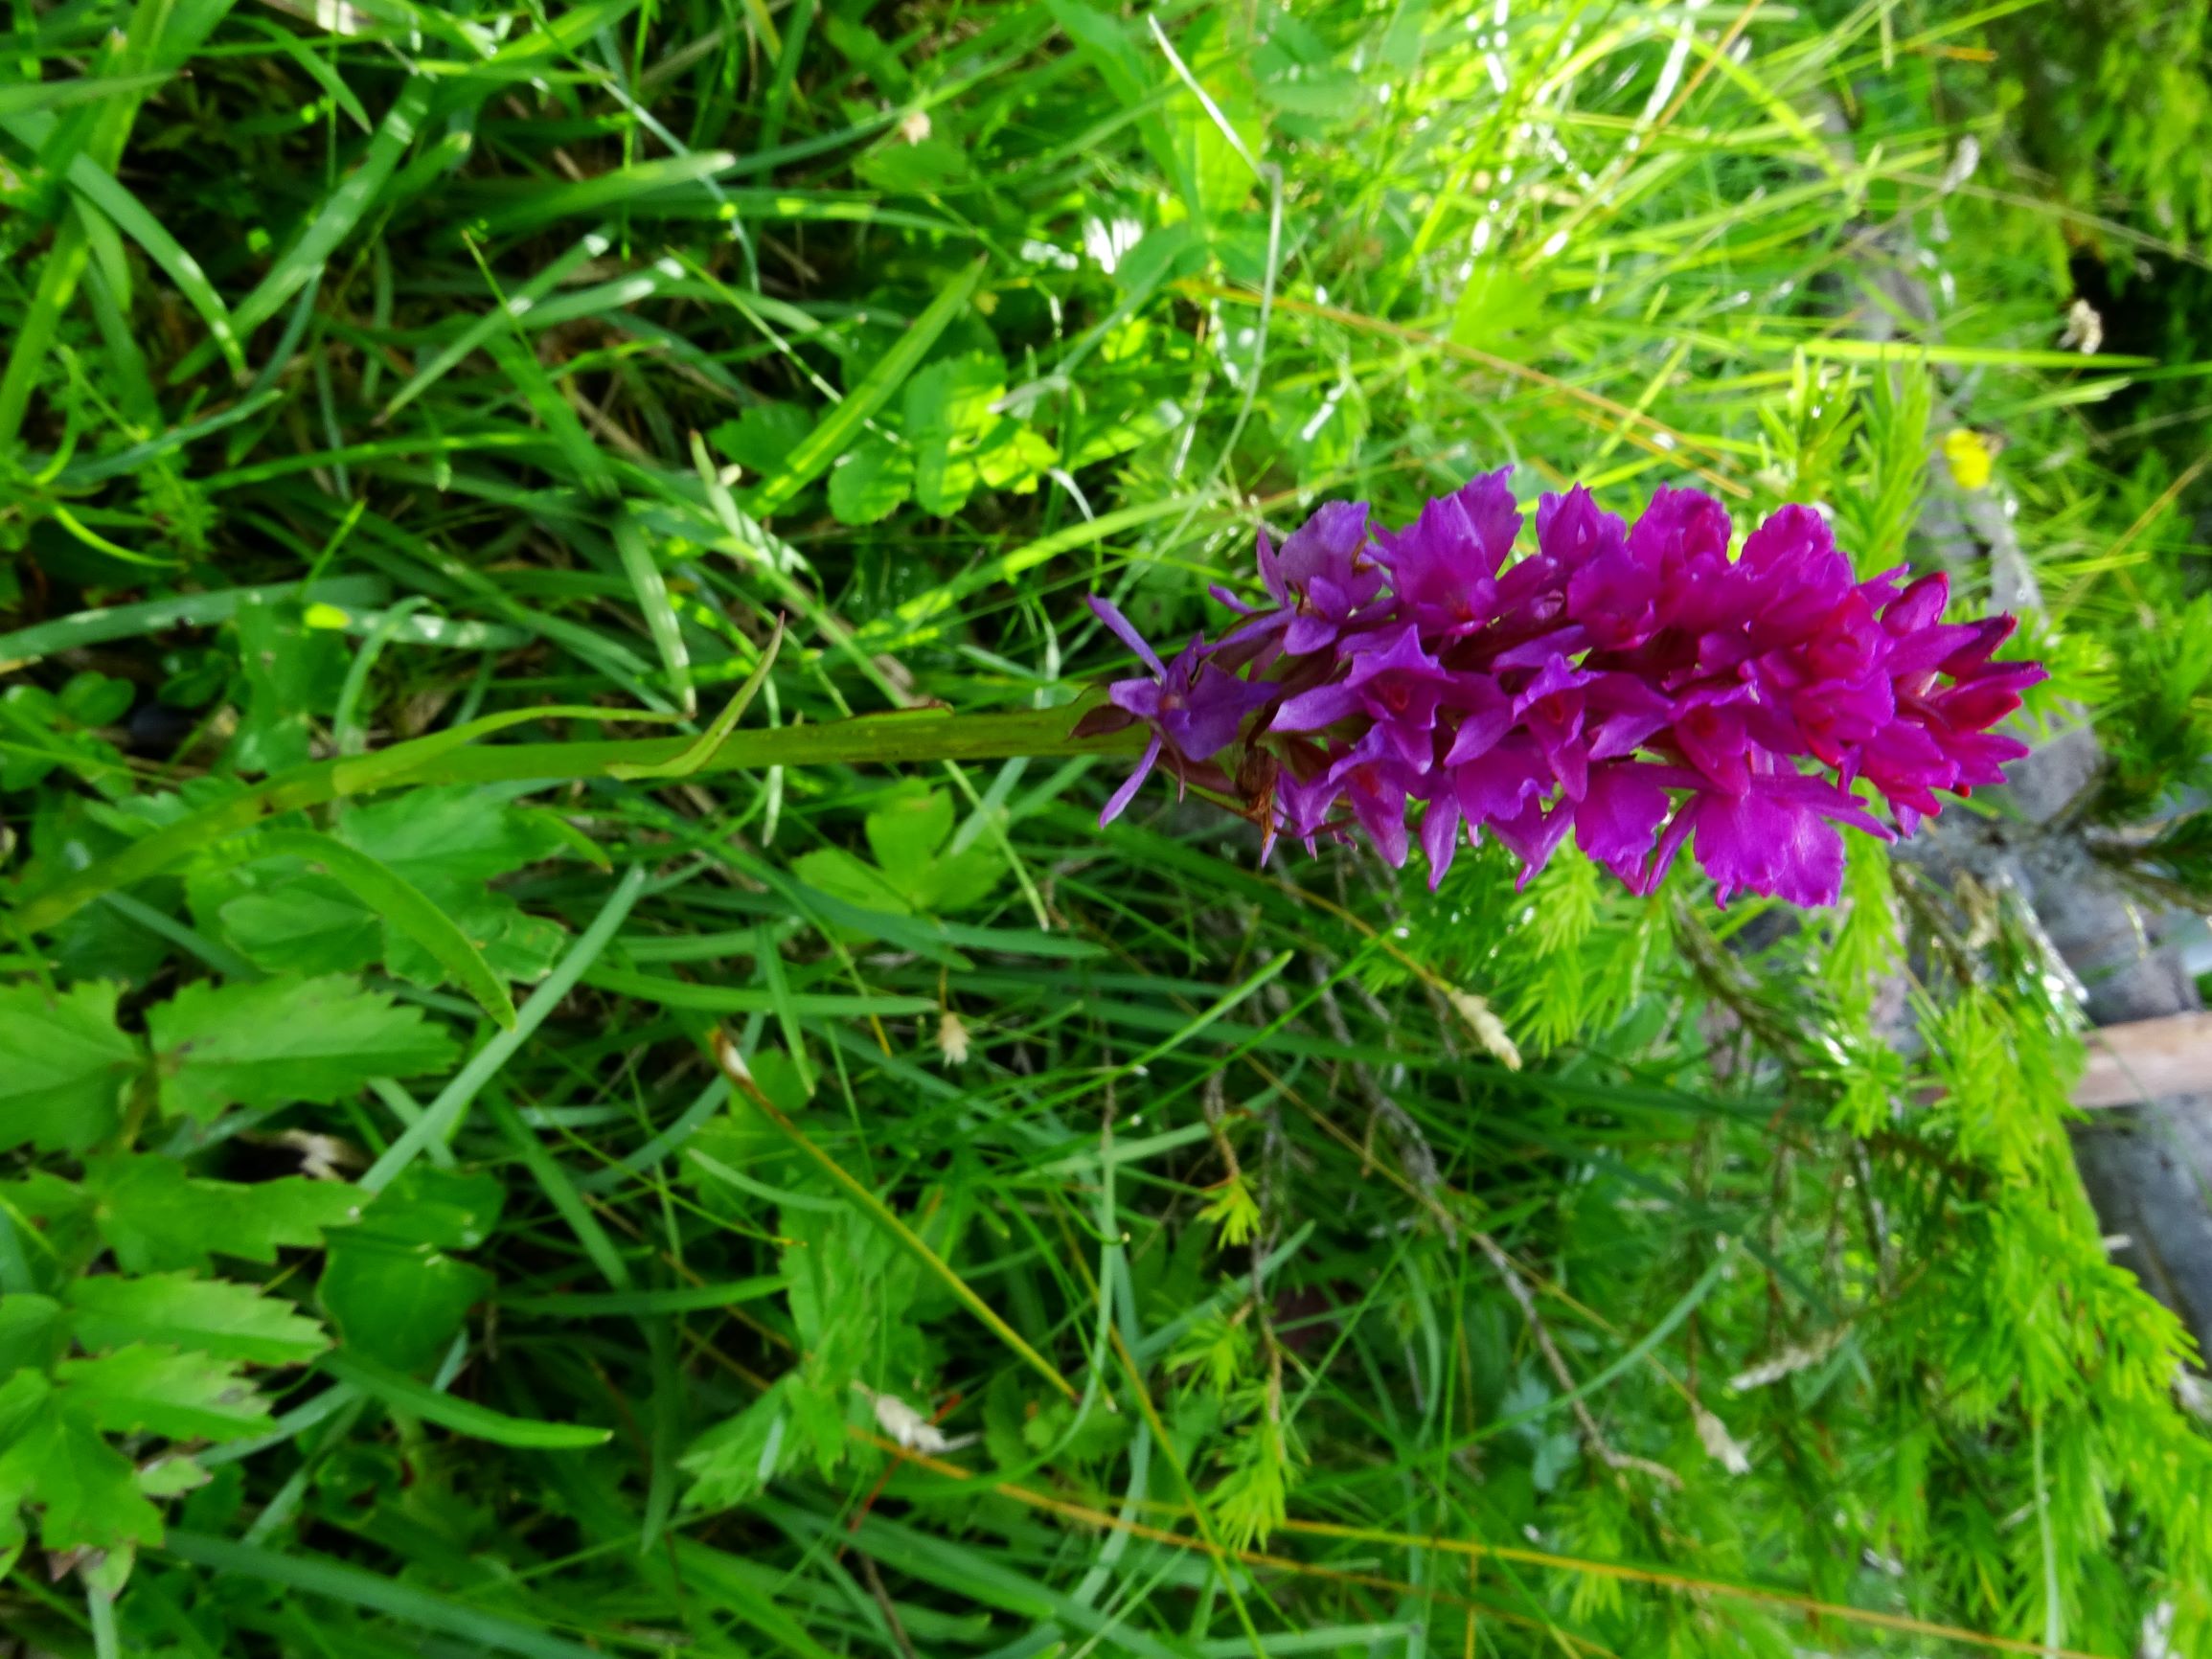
[(286, 1040), (171, 1477), (64, 1065), (87, 1490), (869, 481), (404, 908), (738, 1456), (181, 1393), (452, 833), (216, 1317), (155, 1217)]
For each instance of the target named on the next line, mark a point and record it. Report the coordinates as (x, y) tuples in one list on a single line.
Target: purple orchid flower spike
[(1631, 687), (1551, 707)]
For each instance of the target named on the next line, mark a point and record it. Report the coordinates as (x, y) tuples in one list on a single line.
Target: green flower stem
[(451, 758)]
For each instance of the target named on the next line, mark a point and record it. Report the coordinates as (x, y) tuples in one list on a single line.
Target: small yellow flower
[(1969, 456)]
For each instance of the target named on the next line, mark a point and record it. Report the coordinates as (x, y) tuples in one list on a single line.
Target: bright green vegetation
[(1275, 1261)]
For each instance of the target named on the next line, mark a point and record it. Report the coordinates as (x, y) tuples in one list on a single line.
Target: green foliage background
[(1118, 1247)]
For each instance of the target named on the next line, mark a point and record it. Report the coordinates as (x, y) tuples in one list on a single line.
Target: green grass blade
[(401, 1392), (38, 96), (444, 1112), (500, 317), (199, 610), (619, 1304), (650, 587), (696, 754), (340, 212), (372, 1593)]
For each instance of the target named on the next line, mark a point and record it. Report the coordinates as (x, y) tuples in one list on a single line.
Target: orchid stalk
[(1634, 687)]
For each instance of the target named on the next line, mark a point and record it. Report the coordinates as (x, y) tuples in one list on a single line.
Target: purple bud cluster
[(1633, 686)]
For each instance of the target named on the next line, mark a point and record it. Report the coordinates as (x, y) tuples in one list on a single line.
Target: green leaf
[(293, 672), (1497, 304), (835, 872), (286, 1040), (1014, 455), (905, 835), (909, 876), (842, 425), (156, 1218), (429, 1206), (93, 699), (948, 413), (395, 1388), (171, 1477), (439, 838), (219, 1318), (737, 1457), (180, 1393), (762, 438), (87, 1489), (311, 926), (402, 905), (868, 483), (935, 163), (391, 1285), (64, 1065), (33, 1332), (443, 841)]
